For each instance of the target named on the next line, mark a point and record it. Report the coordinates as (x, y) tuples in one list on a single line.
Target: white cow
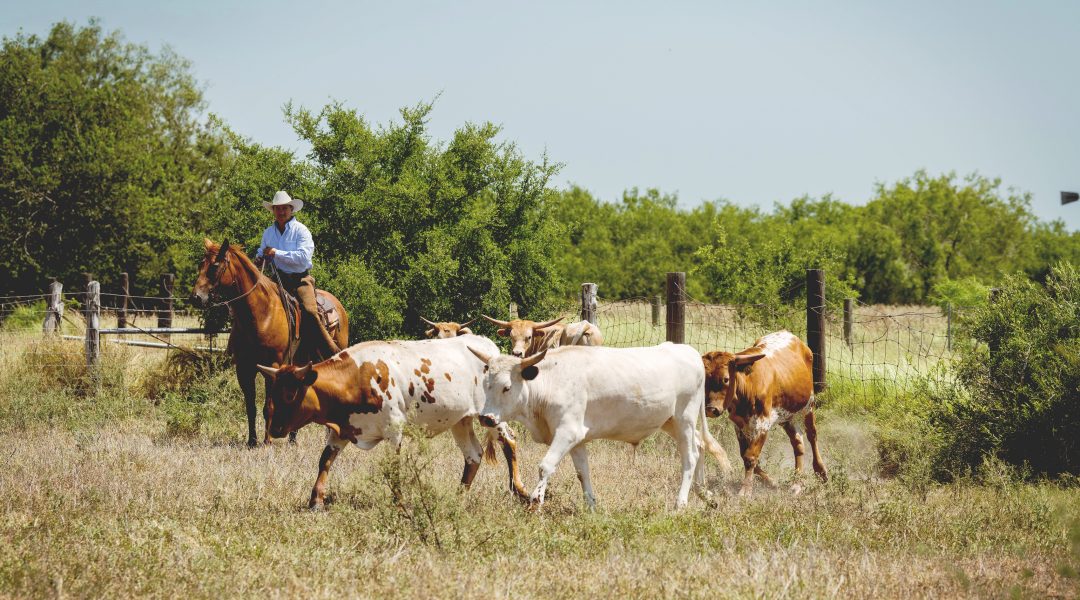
[(570, 395), (366, 393)]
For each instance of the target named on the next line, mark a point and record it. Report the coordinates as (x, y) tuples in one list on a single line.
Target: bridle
[(214, 272)]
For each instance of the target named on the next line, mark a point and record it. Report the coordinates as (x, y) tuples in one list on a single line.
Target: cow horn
[(221, 252), (467, 323), (497, 322), (529, 361), (483, 357), (432, 323), (269, 371), (746, 359), (301, 372), (548, 323)]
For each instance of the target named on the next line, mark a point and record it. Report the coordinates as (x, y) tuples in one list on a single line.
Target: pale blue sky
[(753, 102)]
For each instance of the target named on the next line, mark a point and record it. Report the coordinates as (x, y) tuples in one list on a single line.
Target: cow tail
[(489, 446), (711, 445)]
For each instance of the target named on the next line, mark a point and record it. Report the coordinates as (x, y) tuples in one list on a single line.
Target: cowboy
[(288, 243)]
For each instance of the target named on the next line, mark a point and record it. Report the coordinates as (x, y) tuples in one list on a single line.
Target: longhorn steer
[(770, 382), (568, 396), (366, 393), (447, 329), (528, 338)]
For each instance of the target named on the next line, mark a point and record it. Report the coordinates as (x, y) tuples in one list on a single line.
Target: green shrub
[(965, 292), (1018, 394), (25, 317)]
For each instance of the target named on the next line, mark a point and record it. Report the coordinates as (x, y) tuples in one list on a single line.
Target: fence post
[(513, 311), (676, 307), (849, 319), (54, 313), (588, 302), (121, 313), (656, 303), (93, 323), (815, 324), (948, 326)]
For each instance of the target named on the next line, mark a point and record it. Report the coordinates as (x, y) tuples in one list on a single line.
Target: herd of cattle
[(563, 386)]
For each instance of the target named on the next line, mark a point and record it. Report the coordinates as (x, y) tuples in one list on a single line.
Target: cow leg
[(245, 377), (564, 441), (811, 436), (580, 457), (684, 436), (470, 449), (751, 452), (509, 447), (797, 448), (330, 452)]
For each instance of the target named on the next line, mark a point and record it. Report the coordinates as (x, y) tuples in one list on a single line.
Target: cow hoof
[(252, 443), (796, 489), (316, 507), (745, 492)]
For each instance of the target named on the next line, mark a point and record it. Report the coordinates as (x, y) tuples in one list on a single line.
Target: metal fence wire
[(889, 349)]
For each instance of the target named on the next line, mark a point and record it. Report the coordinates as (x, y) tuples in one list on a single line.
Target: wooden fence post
[(93, 323), (656, 303), (815, 324), (948, 326), (513, 311), (849, 319), (588, 302), (54, 313), (121, 312), (676, 307)]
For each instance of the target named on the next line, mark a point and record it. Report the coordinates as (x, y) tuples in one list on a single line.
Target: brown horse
[(260, 327)]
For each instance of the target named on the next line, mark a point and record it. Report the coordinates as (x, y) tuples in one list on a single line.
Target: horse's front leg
[(245, 376)]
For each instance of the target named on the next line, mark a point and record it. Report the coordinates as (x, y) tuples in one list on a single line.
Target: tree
[(104, 157)]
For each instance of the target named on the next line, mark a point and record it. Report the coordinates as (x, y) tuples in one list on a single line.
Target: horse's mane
[(236, 251)]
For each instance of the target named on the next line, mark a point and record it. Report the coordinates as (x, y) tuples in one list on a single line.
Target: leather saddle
[(328, 313)]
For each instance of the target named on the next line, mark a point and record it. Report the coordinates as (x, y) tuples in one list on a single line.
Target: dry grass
[(107, 494)]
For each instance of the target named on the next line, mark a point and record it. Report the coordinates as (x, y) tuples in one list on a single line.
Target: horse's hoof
[(252, 444)]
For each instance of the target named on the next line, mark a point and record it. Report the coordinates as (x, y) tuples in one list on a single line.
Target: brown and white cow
[(447, 329), (529, 338), (771, 382), (368, 392)]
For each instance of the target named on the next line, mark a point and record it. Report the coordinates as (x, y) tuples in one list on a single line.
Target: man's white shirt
[(293, 247)]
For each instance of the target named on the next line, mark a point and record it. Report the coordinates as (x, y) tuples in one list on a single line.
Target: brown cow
[(447, 329), (770, 382)]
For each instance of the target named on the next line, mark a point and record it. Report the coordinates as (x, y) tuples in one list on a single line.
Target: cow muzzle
[(488, 420), (712, 411)]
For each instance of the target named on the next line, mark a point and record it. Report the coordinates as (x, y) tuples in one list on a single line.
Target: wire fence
[(886, 350), (889, 350), (25, 346)]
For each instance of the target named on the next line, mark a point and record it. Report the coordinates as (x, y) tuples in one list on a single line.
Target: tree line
[(109, 162)]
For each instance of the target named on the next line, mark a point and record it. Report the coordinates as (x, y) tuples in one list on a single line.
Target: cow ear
[(464, 331), (430, 333), (505, 331), (311, 377), (530, 373)]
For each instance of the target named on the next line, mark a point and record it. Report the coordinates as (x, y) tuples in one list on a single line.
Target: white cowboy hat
[(282, 198)]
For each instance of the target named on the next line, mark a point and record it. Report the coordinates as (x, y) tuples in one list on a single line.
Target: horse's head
[(218, 270)]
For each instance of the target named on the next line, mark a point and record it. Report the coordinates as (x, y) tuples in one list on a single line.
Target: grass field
[(106, 493)]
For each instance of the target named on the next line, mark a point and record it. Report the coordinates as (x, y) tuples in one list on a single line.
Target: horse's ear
[(208, 244), (222, 251)]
